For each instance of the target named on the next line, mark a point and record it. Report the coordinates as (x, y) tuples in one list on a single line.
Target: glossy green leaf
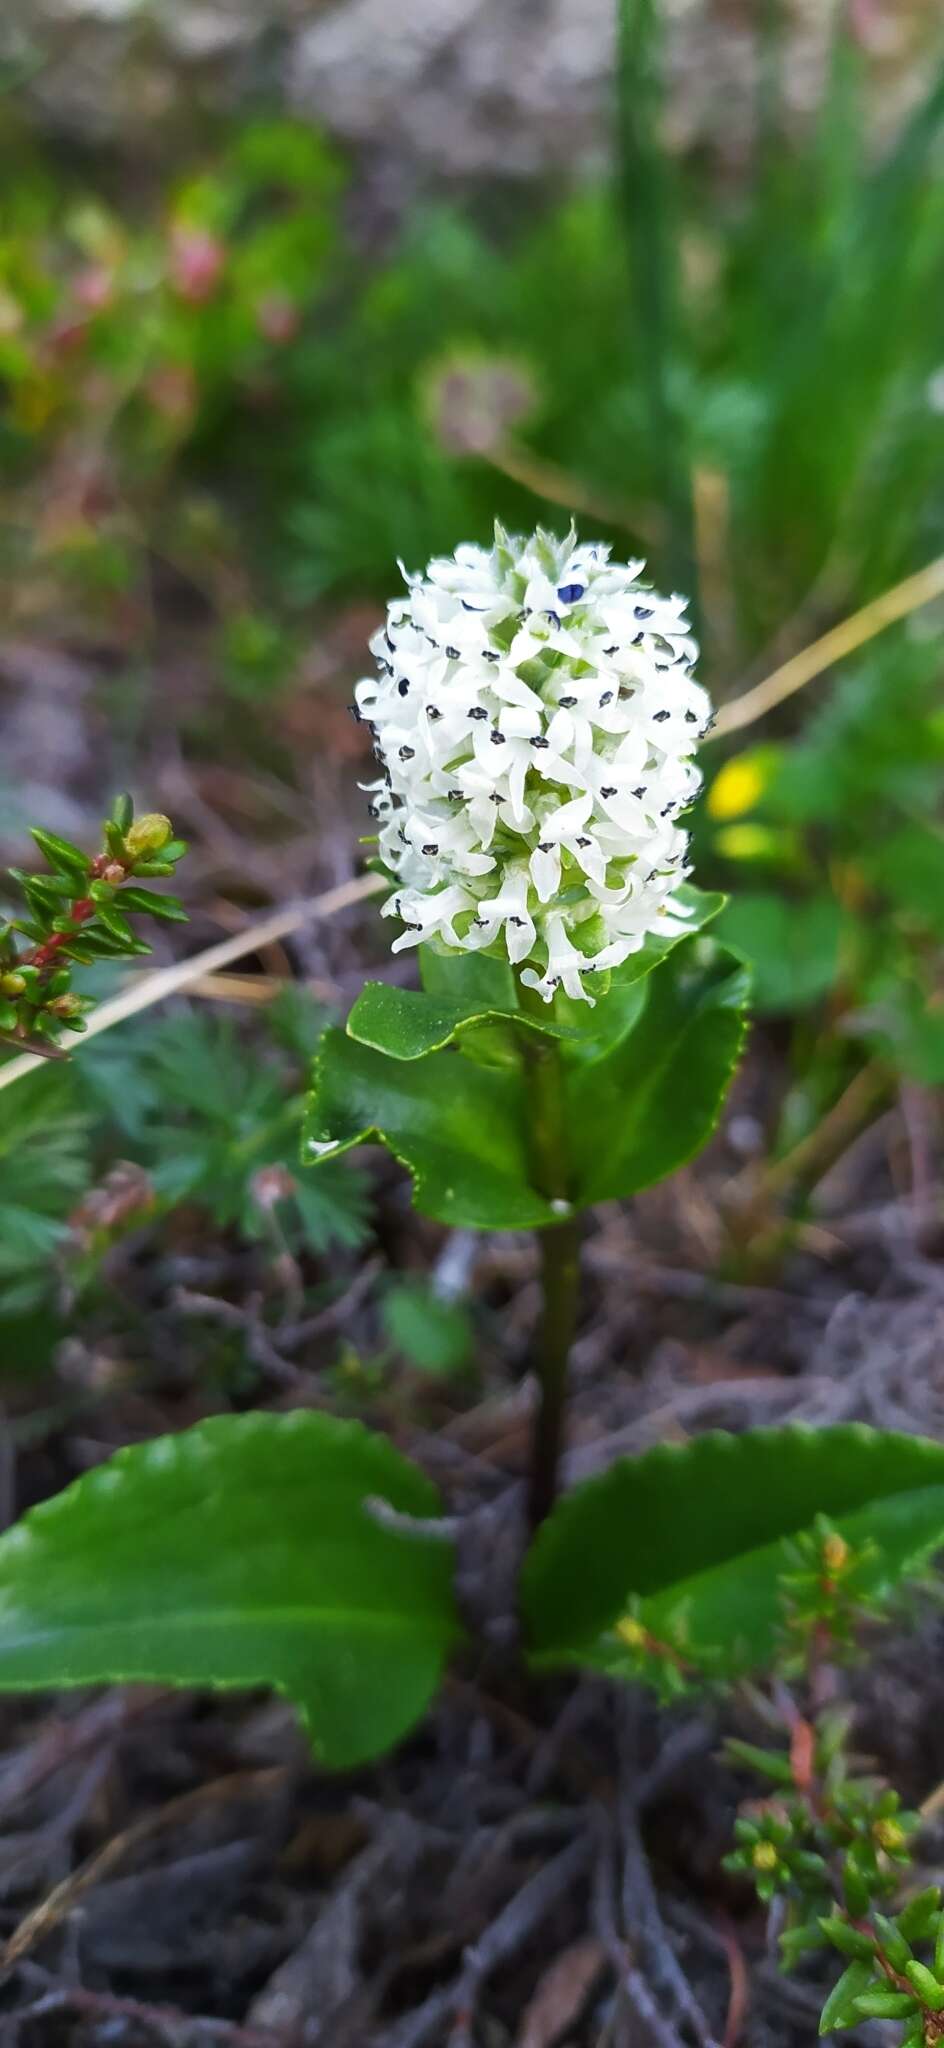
[(248, 1551), (653, 1098), (464, 992), (457, 1127), (689, 1539)]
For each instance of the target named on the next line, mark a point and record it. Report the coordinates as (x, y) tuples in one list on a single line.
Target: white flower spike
[(534, 716)]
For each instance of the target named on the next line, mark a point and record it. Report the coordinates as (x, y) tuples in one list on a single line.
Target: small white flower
[(534, 715)]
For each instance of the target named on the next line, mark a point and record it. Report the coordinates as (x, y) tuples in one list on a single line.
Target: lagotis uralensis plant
[(534, 715), (571, 1042)]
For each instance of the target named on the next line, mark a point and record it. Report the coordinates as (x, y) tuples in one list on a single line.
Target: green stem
[(559, 1247)]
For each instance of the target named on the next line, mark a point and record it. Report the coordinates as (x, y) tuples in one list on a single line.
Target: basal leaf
[(458, 1127), (689, 1540), (251, 1550), (653, 1098)]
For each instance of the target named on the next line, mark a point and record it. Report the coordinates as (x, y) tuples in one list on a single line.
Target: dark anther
[(432, 714), (643, 611), (659, 717), (478, 711), (431, 848), (607, 698), (452, 654), (538, 741), (584, 841), (570, 593), (407, 753), (608, 791), (497, 738), (611, 650), (403, 687), (489, 655), (567, 703), (545, 846), (691, 718)]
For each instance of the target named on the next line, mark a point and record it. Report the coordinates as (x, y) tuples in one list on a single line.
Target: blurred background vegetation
[(284, 299)]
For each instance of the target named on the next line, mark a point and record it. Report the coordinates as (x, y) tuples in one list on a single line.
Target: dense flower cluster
[(534, 717)]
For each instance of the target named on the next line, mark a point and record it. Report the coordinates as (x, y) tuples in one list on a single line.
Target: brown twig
[(53, 1909), (841, 640), (166, 2020)]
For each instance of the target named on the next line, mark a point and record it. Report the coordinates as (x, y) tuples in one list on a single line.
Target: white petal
[(545, 872)]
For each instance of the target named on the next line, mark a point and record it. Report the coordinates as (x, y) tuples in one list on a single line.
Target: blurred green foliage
[(204, 1125)]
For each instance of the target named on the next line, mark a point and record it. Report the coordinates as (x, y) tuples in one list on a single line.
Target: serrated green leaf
[(407, 1024), (652, 1099), (459, 1129), (243, 1552), (693, 1537), (840, 2008)]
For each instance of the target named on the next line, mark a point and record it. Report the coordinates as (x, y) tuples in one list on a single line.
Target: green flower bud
[(147, 835), (764, 1856)]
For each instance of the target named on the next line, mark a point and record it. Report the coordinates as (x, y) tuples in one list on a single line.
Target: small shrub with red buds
[(78, 912)]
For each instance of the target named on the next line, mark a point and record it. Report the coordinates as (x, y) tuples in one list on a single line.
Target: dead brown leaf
[(562, 1994)]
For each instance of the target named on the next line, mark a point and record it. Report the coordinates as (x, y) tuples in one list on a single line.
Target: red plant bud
[(271, 1185), (195, 264), (93, 288), (277, 318)]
